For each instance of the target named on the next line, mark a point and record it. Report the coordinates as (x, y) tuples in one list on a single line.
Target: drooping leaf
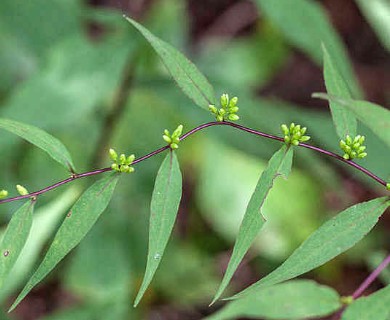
[(344, 121), (333, 238), (377, 13), (190, 80), (375, 306), (52, 146), (279, 164), (163, 210), (372, 115), (305, 25), (15, 238), (76, 225), (296, 299)]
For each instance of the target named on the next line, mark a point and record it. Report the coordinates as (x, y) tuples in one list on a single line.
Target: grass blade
[(377, 13), (163, 211), (305, 25), (279, 164), (190, 80), (15, 238), (333, 238), (344, 121), (297, 299), (76, 225), (52, 146)]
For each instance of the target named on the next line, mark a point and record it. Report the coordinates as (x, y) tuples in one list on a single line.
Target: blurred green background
[(78, 70)]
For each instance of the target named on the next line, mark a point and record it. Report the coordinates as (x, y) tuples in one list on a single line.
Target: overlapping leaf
[(163, 210), (333, 238), (279, 164), (344, 121), (77, 223), (297, 299), (372, 115), (15, 238), (52, 146), (191, 81), (375, 306)]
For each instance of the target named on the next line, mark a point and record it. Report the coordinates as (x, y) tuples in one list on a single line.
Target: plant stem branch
[(186, 135), (370, 279)]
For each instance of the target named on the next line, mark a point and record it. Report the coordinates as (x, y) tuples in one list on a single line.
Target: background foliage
[(79, 71)]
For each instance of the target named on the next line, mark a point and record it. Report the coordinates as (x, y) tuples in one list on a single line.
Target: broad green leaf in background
[(77, 223), (305, 25), (296, 299), (375, 306), (372, 115), (45, 220), (191, 81), (52, 146), (333, 238), (344, 121), (15, 238), (163, 210), (279, 164), (377, 13)]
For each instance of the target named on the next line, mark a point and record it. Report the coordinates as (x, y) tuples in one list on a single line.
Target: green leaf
[(375, 306), (333, 238), (15, 238), (374, 116), (297, 299), (163, 210), (305, 25), (190, 80), (76, 225), (253, 221), (377, 13), (52, 146), (46, 220), (344, 121)]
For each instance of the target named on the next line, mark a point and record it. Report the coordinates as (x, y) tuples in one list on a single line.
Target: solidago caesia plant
[(292, 298)]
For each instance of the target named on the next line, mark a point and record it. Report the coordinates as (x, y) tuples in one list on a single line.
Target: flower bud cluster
[(228, 110), (121, 163), (353, 148), (174, 138), (294, 134)]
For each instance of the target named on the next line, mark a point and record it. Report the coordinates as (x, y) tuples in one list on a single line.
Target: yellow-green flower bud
[(167, 139), (224, 100), (3, 194), (22, 190), (233, 102), (233, 117), (388, 186), (113, 155)]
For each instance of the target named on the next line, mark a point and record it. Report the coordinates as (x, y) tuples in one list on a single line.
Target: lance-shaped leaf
[(15, 238), (333, 238), (375, 306), (163, 211), (76, 225), (297, 299), (343, 119), (253, 221), (190, 80), (372, 115), (305, 25), (52, 146)]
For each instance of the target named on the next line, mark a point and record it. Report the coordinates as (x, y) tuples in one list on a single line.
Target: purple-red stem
[(186, 135), (370, 279)]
